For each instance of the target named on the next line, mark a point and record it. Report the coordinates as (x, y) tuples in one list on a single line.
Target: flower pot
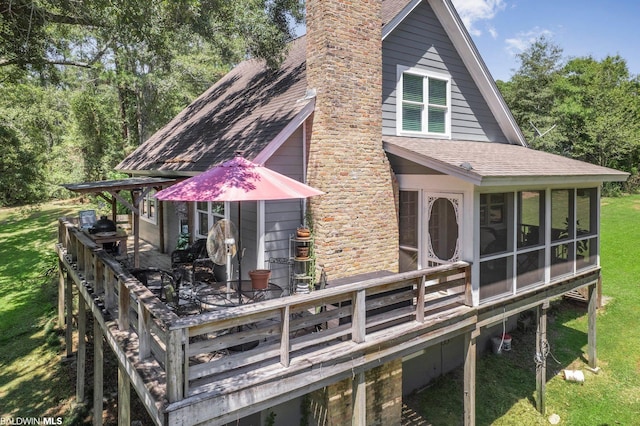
[(260, 278), (302, 252), (303, 232)]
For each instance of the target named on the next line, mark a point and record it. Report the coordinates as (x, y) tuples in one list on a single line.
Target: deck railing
[(238, 347)]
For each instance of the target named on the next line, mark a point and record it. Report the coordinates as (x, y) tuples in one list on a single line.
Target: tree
[(530, 92), (118, 70), (598, 110)]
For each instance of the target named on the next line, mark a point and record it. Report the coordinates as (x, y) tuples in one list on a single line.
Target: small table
[(225, 294), (119, 237)]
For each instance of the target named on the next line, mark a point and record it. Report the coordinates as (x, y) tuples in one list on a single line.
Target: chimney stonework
[(355, 222)]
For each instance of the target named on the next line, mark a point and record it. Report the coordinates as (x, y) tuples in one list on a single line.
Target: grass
[(506, 383), (35, 383)]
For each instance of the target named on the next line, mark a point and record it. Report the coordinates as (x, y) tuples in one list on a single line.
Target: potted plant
[(303, 232)]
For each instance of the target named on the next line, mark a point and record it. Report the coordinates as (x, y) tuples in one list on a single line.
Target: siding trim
[(391, 25), (462, 41), (284, 135)]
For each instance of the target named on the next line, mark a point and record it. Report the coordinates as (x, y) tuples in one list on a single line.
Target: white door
[(443, 228)]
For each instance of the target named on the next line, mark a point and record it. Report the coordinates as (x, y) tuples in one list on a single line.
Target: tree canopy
[(581, 107), (83, 83)]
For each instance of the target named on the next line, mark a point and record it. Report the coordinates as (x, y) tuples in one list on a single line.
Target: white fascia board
[(282, 137), (391, 25), (559, 181), (467, 50)]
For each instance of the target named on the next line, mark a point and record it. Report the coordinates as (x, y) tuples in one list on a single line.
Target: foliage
[(530, 92), (582, 108), (83, 83)]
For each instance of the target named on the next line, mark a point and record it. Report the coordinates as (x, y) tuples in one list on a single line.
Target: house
[(388, 108)]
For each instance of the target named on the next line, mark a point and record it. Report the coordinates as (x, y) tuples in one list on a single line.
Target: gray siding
[(421, 42), (283, 217)]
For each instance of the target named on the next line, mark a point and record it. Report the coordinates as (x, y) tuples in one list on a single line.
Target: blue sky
[(597, 28)]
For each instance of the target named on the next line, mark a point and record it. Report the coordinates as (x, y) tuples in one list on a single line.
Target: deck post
[(591, 335), (109, 294), (359, 317), (144, 334), (285, 345), (470, 354), (123, 306), (124, 397), (176, 380), (359, 392), (421, 282), (98, 277), (98, 375), (68, 301), (541, 358), (82, 350), (61, 293)]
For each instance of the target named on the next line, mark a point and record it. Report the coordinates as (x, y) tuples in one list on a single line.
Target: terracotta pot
[(260, 278), (302, 251), (303, 232)]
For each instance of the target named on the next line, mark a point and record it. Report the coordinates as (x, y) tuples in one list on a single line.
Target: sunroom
[(523, 218)]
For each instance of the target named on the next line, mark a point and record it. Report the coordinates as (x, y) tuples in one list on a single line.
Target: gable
[(420, 42)]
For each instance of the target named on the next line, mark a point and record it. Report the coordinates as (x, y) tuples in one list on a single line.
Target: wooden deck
[(187, 369)]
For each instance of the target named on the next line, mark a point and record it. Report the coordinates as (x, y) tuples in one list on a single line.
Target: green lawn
[(35, 383), (506, 383)]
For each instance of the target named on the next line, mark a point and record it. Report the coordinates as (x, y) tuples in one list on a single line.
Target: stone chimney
[(355, 222)]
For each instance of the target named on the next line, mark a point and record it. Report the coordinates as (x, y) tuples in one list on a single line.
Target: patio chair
[(192, 263)]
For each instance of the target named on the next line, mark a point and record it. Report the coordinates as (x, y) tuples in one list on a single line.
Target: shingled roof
[(485, 163), (245, 110)]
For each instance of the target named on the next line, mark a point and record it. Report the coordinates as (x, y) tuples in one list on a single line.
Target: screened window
[(554, 234), (409, 204), (425, 103)]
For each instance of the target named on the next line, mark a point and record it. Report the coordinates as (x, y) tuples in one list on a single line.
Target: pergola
[(139, 187)]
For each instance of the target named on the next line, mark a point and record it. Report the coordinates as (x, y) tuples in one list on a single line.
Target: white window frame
[(145, 209), (212, 217), (401, 71)]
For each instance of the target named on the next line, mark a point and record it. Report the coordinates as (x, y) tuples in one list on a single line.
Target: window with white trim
[(424, 103), (207, 214), (148, 211)]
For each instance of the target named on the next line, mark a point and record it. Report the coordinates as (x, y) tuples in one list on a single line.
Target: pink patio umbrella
[(237, 180)]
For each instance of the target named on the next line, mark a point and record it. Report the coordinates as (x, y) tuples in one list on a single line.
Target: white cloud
[(472, 11), (492, 30), (524, 39)]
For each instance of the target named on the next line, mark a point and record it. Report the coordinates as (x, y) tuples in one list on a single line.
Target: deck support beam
[(541, 357), (124, 397), (82, 350), (470, 354), (593, 293), (359, 392), (98, 374)]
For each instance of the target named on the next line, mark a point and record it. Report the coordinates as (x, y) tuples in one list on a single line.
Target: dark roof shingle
[(486, 162), (244, 111)]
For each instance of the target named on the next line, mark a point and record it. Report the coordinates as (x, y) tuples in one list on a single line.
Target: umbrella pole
[(239, 253)]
